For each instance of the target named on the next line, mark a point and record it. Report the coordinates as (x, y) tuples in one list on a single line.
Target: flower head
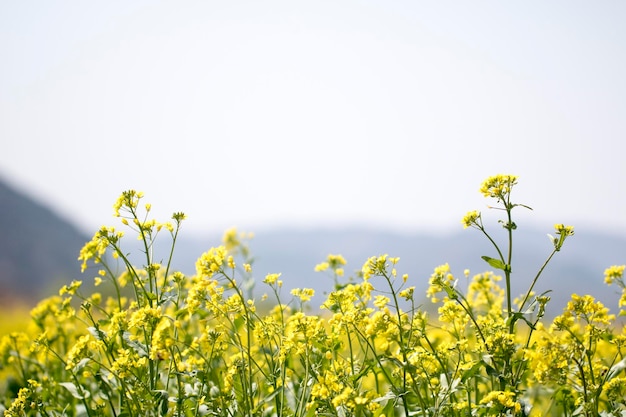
[(562, 229), (471, 218), (211, 261), (614, 273), (563, 232), (498, 186), (128, 200)]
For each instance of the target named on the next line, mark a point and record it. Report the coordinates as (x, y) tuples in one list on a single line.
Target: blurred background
[(352, 127)]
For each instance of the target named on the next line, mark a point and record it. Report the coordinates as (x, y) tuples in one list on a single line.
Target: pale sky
[(260, 114)]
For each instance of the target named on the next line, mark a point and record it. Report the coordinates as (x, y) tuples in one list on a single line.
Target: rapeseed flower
[(501, 401), (171, 345), (211, 261), (614, 273), (498, 186), (304, 294), (127, 200), (471, 218)]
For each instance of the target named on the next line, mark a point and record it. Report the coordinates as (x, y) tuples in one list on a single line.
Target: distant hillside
[(578, 268), (38, 249)]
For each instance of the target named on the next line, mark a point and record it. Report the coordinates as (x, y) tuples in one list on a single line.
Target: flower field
[(154, 342)]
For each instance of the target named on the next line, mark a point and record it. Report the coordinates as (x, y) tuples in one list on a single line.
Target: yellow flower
[(146, 316), (497, 400), (376, 265), (407, 293), (328, 386), (271, 278), (590, 310), (562, 229), (498, 186), (321, 267), (439, 280), (161, 340), (71, 289), (26, 400), (126, 361), (304, 294), (129, 199), (451, 312), (97, 246), (95, 298), (380, 301), (179, 217), (613, 273), (211, 261), (81, 349), (236, 242), (615, 389), (123, 278), (231, 238), (334, 262), (471, 218)]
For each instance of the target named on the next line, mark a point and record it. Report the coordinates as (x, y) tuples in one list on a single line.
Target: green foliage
[(167, 344)]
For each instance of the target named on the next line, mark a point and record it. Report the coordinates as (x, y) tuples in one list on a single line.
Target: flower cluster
[(156, 342), (498, 186)]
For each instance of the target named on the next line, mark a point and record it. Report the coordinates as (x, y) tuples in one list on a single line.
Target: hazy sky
[(318, 113)]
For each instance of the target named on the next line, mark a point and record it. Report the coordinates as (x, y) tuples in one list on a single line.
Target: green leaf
[(495, 263), (77, 392), (80, 365), (491, 371), (451, 292), (161, 397), (470, 373), (312, 411), (97, 333), (181, 312), (616, 369), (522, 205), (138, 347), (386, 410), (520, 316)]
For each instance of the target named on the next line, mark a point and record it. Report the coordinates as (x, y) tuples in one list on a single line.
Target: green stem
[(248, 323), (403, 347), (535, 280), (470, 313), (147, 251), (507, 270), (169, 262)]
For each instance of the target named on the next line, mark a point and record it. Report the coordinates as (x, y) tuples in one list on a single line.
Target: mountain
[(38, 249), (577, 268)]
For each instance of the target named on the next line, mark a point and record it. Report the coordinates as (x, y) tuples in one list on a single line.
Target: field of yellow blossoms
[(151, 341)]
